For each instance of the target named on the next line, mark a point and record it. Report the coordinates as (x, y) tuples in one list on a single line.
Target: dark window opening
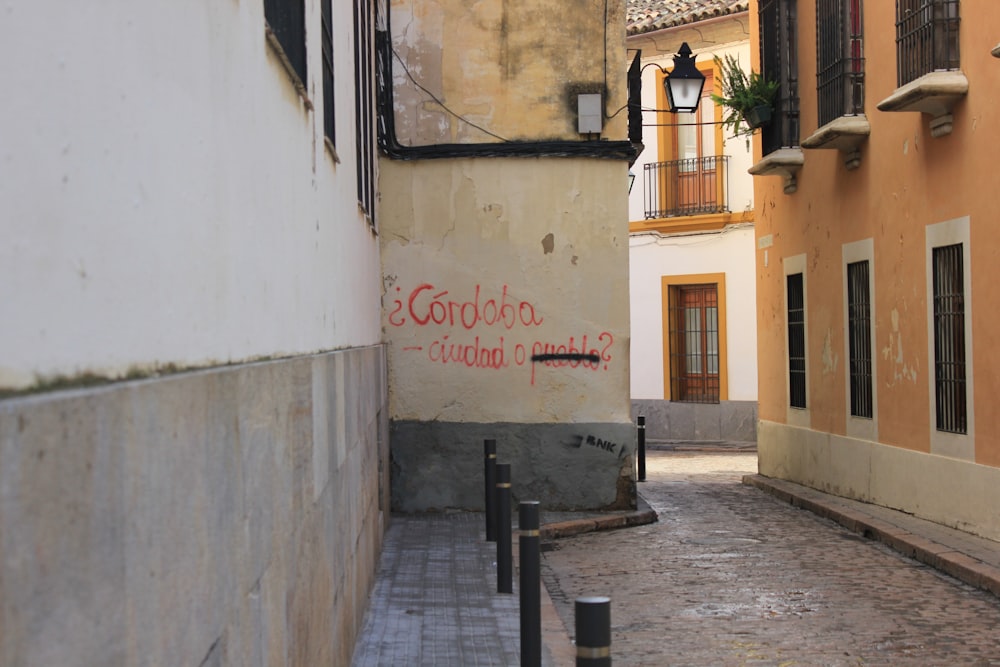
[(287, 21), (694, 343), (795, 296), (329, 126), (364, 85), (859, 338), (949, 339), (926, 38), (779, 62), (840, 73)]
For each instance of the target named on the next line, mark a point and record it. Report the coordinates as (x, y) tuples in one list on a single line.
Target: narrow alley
[(732, 576)]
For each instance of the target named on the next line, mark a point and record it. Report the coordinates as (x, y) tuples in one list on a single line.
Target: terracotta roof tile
[(649, 15)]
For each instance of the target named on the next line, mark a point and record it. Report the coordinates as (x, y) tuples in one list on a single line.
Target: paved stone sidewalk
[(731, 576), (435, 601)]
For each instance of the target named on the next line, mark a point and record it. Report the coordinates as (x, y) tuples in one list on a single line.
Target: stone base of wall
[(734, 421), (227, 516), (439, 465), (956, 493)]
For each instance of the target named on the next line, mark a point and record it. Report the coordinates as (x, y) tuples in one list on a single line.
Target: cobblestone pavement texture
[(732, 576)]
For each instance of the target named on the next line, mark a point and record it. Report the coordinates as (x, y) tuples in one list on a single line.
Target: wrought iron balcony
[(695, 186)]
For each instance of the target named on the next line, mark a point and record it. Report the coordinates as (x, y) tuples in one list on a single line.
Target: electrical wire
[(444, 106)]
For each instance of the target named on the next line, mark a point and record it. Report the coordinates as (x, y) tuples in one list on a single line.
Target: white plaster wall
[(740, 156), (165, 197), (650, 258)]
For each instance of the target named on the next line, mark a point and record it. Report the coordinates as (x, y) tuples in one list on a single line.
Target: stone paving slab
[(435, 601), (969, 558), (733, 576)]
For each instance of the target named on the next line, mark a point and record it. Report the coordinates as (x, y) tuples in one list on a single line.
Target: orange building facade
[(877, 254)]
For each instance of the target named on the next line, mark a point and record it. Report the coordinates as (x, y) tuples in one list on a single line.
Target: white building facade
[(691, 241), (192, 376)]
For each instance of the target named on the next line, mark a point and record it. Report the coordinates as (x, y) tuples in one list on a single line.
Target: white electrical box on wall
[(589, 112)]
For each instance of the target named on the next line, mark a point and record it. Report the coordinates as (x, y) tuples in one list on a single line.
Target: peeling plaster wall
[(488, 263), (511, 68)]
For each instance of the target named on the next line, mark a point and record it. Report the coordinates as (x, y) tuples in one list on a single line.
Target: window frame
[(840, 71), (364, 101), (946, 443), (860, 426), (668, 284), (329, 97), (921, 48), (796, 415), (778, 50), (286, 33)]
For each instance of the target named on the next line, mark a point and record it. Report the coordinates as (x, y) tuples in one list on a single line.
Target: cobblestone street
[(731, 576)]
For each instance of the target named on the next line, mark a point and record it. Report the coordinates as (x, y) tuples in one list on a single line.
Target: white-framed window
[(796, 341), (859, 341), (949, 336)]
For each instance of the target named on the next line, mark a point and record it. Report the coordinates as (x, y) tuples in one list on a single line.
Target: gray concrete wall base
[(734, 421), (227, 516), (439, 465)]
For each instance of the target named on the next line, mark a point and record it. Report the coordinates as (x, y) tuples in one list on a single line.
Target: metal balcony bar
[(926, 38), (694, 186)]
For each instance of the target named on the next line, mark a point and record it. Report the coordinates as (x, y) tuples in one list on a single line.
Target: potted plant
[(748, 98)]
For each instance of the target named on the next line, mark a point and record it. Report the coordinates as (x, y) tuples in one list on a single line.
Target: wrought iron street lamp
[(684, 84)]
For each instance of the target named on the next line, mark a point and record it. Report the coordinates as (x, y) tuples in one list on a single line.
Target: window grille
[(694, 343), (859, 338), (364, 74), (329, 126), (926, 38), (795, 296), (949, 339), (840, 74), (779, 62), (287, 20)]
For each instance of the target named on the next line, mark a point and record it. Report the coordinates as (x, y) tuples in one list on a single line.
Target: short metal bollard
[(490, 475), (593, 632), (642, 448), (530, 583), (505, 581)]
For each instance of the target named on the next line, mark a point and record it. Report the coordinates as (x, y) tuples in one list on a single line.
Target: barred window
[(795, 296), (926, 38), (949, 339), (364, 85), (287, 22), (859, 338), (840, 74), (779, 62)]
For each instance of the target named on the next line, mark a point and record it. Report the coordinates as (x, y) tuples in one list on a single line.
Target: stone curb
[(641, 516), (923, 549)]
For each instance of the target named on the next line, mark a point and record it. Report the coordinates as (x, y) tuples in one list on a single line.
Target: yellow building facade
[(875, 192)]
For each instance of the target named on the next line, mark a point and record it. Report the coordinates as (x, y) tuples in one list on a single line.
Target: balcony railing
[(695, 186), (926, 38)]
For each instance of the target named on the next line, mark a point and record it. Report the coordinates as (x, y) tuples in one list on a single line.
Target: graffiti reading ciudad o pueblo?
[(491, 315)]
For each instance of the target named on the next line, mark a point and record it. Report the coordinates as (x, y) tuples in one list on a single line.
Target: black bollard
[(490, 473), (642, 448), (593, 632), (530, 584), (505, 581)]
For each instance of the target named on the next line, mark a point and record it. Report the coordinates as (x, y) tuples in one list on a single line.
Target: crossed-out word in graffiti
[(427, 306)]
